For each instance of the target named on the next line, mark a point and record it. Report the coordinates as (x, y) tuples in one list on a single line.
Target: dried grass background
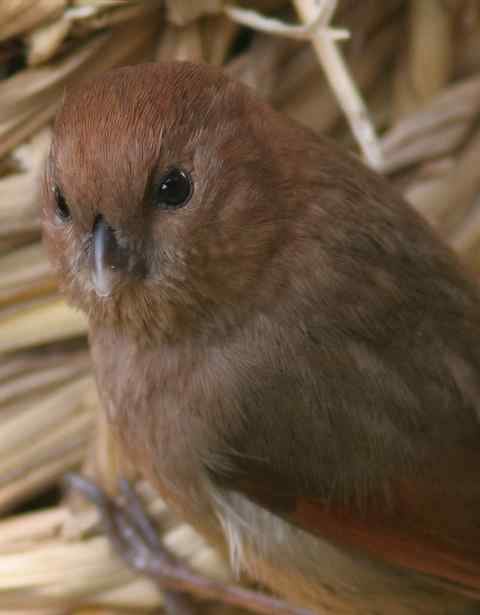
[(414, 65)]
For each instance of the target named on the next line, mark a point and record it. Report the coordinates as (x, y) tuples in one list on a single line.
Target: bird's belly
[(315, 573)]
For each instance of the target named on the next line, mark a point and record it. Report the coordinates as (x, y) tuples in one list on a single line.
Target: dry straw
[(403, 91)]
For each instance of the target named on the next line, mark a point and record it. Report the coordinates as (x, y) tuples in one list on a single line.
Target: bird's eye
[(174, 190), (62, 210)]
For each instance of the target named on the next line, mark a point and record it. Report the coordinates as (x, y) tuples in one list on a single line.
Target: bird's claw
[(130, 531), (135, 539), (132, 534)]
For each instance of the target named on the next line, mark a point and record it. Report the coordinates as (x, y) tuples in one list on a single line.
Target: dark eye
[(61, 208), (174, 190)]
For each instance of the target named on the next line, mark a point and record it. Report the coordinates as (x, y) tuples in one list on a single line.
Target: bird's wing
[(360, 410), (423, 515), (421, 526), (429, 532)]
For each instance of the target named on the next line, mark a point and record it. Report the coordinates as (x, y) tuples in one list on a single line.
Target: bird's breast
[(149, 403)]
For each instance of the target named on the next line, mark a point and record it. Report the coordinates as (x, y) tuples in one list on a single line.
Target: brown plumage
[(284, 347)]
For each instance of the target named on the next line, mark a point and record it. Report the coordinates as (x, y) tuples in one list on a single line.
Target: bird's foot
[(135, 539)]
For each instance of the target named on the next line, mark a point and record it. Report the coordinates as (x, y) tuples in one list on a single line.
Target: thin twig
[(317, 29)]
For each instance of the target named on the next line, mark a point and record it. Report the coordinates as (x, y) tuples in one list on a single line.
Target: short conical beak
[(109, 259)]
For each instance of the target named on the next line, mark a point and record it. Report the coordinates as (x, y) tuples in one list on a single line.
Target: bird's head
[(159, 198)]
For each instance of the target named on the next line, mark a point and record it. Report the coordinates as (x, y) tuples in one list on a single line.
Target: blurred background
[(403, 91)]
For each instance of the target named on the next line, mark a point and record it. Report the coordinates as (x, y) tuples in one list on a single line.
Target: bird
[(286, 349)]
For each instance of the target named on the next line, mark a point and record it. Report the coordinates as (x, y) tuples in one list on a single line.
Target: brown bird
[(283, 346)]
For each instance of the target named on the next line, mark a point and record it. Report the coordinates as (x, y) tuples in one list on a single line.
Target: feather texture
[(296, 365)]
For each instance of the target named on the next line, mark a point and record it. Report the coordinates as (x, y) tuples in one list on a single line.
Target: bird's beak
[(109, 259)]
